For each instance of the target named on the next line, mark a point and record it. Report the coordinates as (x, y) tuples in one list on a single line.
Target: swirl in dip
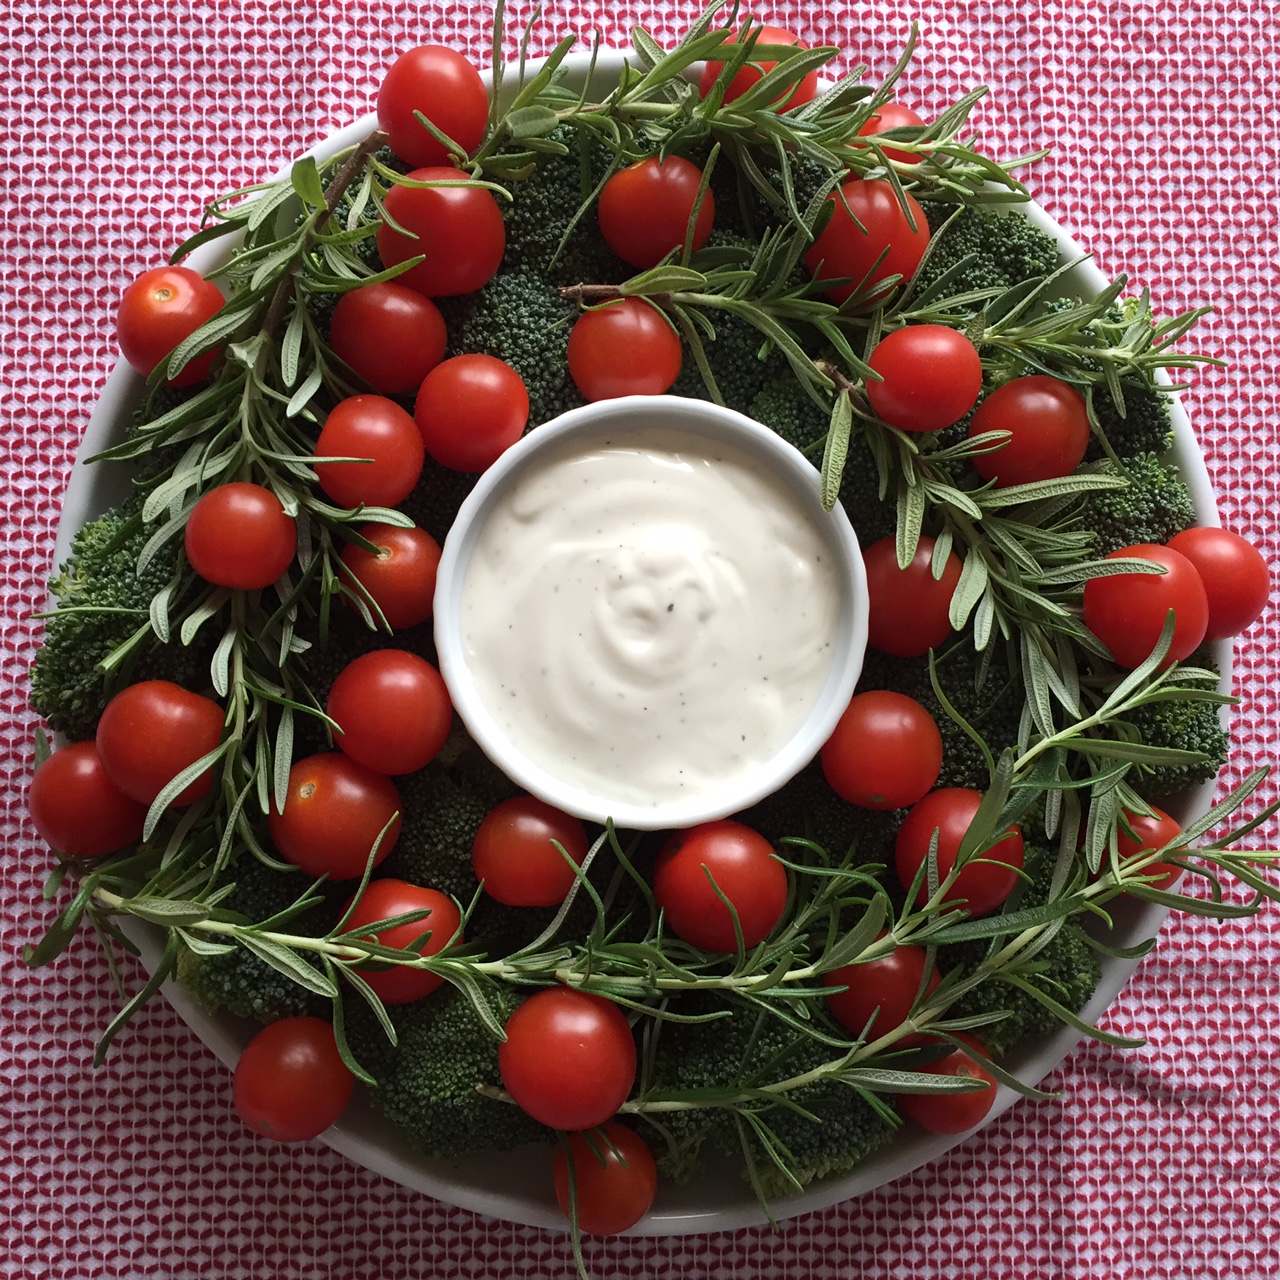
[(650, 614)]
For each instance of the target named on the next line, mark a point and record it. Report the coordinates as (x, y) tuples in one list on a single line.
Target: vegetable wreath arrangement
[(261, 760)]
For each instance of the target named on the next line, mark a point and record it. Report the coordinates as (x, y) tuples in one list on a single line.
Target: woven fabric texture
[(119, 121)]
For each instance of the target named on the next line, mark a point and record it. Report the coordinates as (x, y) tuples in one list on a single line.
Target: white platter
[(516, 1185)]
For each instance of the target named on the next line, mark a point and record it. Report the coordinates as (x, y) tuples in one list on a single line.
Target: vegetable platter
[(793, 1206)]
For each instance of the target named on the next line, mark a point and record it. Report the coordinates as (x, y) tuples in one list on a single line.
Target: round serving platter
[(515, 1185)]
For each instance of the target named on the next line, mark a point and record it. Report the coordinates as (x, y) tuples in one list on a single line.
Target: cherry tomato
[(868, 222), (569, 1059), (644, 210), (885, 752), (952, 1112), (334, 811), (884, 989), (76, 807), (805, 90), (1235, 576), (390, 335), (238, 535), (893, 115), (746, 872), (369, 427), (401, 577), (985, 881), (932, 377), (291, 1083), (1142, 833), (615, 1179), (627, 348), (394, 711), (514, 857), (1048, 425), (1128, 610), (383, 899), (159, 311), (150, 732), (471, 410), (908, 609), (446, 89), (460, 229)]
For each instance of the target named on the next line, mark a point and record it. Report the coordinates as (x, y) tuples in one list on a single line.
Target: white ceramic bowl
[(702, 425), (514, 1185)]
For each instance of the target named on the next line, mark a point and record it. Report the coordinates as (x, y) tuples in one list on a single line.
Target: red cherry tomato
[(460, 229), (291, 1083), (390, 335), (868, 239), (985, 881), (370, 427), (627, 348), (471, 410), (394, 711), (334, 811), (953, 1112), (1127, 611), (908, 609), (76, 807), (644, 210), (159, 311), (932, 377), (569, 1059), (150, 732), (1235, 576), (1048, 425), (804, 91), (885, 752), (401, 577), (446, 89), (884, 989), (745, 870), (384, 899), (893, 115), (615, 1179), (1143, 833), (238, 535), (514, 856)]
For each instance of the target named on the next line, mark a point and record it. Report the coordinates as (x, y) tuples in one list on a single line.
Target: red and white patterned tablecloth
[(119, 120)]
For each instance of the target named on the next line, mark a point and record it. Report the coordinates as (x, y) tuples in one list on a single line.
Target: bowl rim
[(697, 420), (500, 1187)]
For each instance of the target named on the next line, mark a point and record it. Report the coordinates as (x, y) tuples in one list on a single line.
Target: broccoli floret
[(433, 504), (738, 360), (1145, 428), (520, 319), (239, 981), (784, 405), (745, 1049), (808, 807), (1007, 248), (1154, 507), (992, 705), (427, 1085), (1189, 726), (1067, 970), (541, 208), (102, 602)]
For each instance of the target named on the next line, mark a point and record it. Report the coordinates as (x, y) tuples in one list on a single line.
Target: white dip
[(650, 615)]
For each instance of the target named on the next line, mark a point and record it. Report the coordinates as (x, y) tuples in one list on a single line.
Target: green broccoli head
[(1007, 248), (1189, 726), (1154, 506), (520, 319), (241, 982), (102, 602), (1143, 429), (427, 1085), (739, 358)]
